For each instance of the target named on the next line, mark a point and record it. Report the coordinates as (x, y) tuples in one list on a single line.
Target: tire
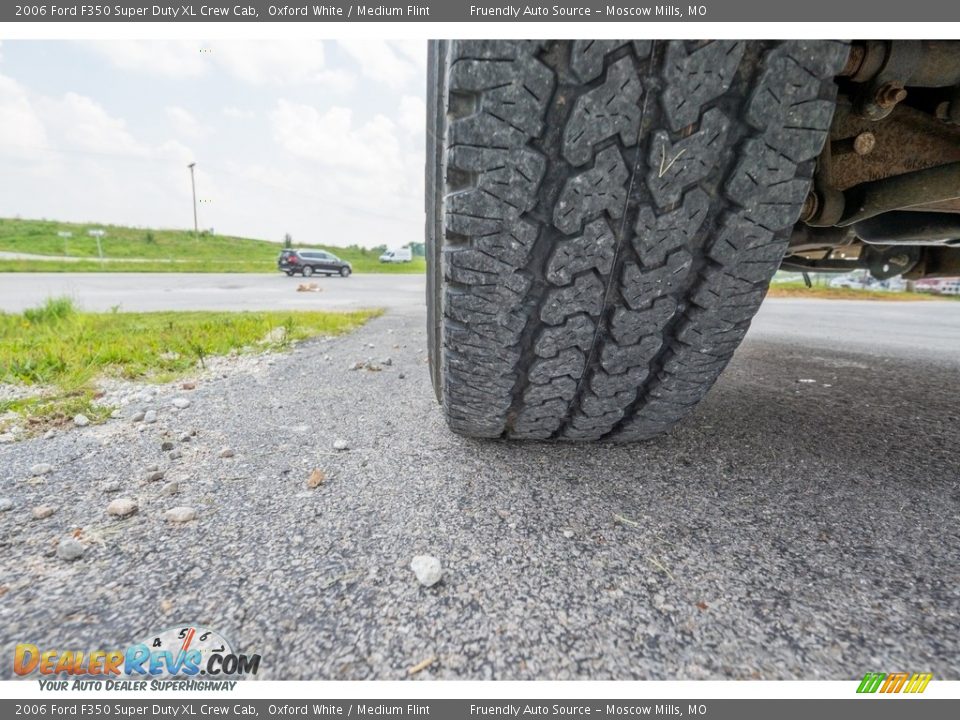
[(307, 271), (344, 272), (603, 219)]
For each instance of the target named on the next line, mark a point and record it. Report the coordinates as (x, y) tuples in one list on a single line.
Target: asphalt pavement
[(803, 523), (146, 292)]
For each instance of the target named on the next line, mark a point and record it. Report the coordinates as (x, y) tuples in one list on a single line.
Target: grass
[(130, 249), (61, 352), (800, 290)]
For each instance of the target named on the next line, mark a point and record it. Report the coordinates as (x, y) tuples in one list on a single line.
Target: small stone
[(6, 504), (176, 454), (180, 514), (154, 475), (41, 512), (226, 452), (340, 444), (568, 533), (277, 335), (186, 437), (316, 478), (81, 420), (188, 386), (181, 403), (111, 487), (427, 569), (41, 469), (401, 376), (50, 435), (356, 366), (70, 549), (166, 445), (117, 414), (171, 488), (150, 416), (122, 507), (138, 416), (387, 361), (151, 468)]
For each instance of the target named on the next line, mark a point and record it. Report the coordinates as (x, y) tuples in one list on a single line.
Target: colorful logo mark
[(894, 682), (183, 651)]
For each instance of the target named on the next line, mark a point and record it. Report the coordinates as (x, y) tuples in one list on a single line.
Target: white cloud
[(235, 113), (281, 63), (332, 139), (390, 63), (22, 127), (257, 62), (80, 123), (184, 123), (412, 115), (171, 58)]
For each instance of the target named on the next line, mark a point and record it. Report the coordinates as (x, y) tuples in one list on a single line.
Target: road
[(803, 523), (145, 292)]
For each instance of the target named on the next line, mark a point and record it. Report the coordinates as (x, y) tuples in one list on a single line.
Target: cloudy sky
[(323, 140)]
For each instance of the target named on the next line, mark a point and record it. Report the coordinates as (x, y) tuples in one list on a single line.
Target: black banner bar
[(584, 11)]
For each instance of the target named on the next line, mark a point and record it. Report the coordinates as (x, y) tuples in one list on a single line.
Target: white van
[(397, 256)]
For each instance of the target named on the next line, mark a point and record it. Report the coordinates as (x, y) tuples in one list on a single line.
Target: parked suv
[(308, 262)]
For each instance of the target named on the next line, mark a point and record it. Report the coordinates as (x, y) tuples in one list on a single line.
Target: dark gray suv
[(308, 262)]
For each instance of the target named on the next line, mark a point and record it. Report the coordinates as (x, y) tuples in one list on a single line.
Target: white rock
[(150, 416), (122, 507), (277, 335), (111, 487), (568, 534), (427, 569), (41, 469), (81, 420), (41, 512), (226, 452), (180, 514), (154, 475), (340, 444), (50, 435), (181, 403), (171, 488), (6, 504), (70, 549), (138, 416)]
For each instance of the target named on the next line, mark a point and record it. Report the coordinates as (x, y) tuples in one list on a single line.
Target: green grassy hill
[(129, 249)]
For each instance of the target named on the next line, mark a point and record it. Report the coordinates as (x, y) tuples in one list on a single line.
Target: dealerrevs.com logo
[(895, 682), (186, 652)]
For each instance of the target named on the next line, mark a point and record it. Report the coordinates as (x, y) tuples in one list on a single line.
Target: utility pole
[(193, 187)]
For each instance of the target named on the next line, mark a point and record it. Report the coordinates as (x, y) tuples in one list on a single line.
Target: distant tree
[(378, 249), (417, 248), (149, 238), (288, 240)]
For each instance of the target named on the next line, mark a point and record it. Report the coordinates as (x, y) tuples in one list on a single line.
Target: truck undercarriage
[(886, 192)]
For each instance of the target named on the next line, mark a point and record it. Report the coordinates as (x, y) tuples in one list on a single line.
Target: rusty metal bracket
[(921, 187), (885, 69)]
